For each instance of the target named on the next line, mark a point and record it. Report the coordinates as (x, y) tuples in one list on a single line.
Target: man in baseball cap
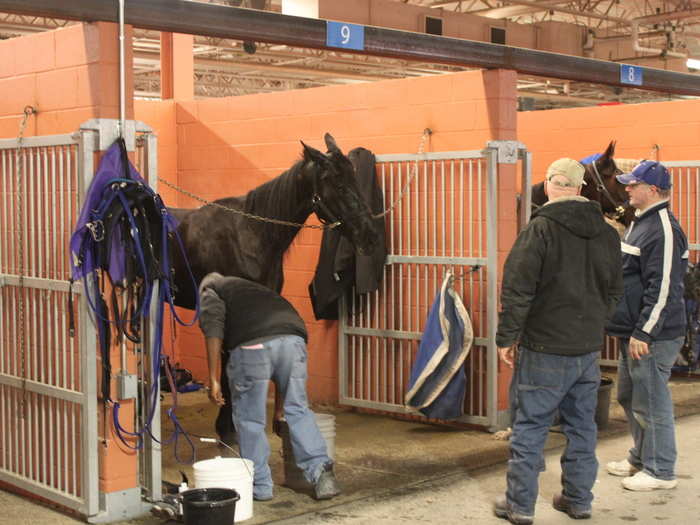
[(650, 323), (566, 173), (648, 172)]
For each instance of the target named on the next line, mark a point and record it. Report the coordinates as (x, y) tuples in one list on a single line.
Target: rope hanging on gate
[(19, 164)]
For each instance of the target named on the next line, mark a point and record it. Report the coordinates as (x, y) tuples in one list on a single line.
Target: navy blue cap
[(649, 172)]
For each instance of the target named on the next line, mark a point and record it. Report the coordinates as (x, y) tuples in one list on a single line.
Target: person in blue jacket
[(650, 322)]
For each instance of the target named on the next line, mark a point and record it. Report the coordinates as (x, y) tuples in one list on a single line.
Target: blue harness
[(122, 237)]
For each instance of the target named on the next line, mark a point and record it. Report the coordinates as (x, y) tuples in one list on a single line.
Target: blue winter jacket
[(654, 262)]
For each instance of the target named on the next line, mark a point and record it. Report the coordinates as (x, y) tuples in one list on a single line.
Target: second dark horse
[(601, 186)]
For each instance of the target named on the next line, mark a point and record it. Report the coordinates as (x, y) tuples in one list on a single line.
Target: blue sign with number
[(341, 34), (631, 75)]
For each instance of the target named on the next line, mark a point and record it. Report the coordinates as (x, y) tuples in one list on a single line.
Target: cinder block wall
[(673, 126)]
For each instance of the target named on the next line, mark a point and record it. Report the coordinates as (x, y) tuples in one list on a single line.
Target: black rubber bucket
[(602, 411), (212, 506)]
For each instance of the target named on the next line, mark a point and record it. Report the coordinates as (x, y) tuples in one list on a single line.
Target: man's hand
[(215, 395), (637, 348), (507, 354)]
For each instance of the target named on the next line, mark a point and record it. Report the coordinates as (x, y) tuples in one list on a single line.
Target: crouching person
[(266, 340)]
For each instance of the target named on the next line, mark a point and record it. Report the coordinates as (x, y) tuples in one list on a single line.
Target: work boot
[(503, 510), (326, 486), (562, 504)]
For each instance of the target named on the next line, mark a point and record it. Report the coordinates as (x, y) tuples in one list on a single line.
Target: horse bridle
[(324, 214), (619, 208)]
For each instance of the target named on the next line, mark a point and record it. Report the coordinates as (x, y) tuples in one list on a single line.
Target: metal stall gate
[(685, 196), (48, 424), (48, 387), (443, 214)]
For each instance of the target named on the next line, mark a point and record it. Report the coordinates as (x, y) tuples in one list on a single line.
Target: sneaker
[(621, 468), (643, 482), (562, 504), (502, 510), (326, 486)]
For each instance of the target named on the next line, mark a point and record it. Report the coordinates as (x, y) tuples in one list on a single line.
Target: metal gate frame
[(23, 464), (354, 330)]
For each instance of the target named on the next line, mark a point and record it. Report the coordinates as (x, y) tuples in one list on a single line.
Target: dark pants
[(543, 384)]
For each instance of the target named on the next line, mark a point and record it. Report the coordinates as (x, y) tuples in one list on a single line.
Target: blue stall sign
[(631, 75), (348, 36)]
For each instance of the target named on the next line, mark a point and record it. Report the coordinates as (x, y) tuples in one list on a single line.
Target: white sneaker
[(621, 468), (643, 482)]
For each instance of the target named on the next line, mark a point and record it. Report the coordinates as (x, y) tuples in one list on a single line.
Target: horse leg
[(224, 420)]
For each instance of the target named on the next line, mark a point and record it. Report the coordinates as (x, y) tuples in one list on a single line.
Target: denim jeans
[(643, 392), (543, 384), (282, 359)]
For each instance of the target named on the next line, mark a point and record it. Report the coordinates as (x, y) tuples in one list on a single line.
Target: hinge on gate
[(2, 281), (508, 150)]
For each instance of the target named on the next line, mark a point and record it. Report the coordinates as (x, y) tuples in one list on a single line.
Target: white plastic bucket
[(326, 424), (293, 476), (228, 473)]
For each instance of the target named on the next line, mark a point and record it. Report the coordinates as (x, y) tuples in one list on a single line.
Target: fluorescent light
[(693, 63)]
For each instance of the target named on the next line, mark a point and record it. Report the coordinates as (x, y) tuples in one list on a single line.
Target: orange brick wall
[(68, 75), (673, 126), (228, 146)]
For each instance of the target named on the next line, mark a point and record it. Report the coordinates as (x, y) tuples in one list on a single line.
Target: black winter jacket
[(561, 280), (655, 261)]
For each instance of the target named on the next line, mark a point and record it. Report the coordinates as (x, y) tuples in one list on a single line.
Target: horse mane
[(279, 198)]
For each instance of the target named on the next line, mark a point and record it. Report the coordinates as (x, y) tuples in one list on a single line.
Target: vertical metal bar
[(62, 212), (88, 355), (54, 225), (70, 151), (491, 301), (4, 228), (526, 192), (452, 208), (443, 212)]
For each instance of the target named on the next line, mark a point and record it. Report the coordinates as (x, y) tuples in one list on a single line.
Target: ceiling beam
[(181, 16)]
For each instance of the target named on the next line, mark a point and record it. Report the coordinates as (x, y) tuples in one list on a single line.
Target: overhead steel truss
[(260, 26)]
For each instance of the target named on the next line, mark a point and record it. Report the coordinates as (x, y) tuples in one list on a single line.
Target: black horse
[(601, 186), (219, 240)]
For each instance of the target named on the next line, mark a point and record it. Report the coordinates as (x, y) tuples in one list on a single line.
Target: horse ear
[(610, 150), (312, 154), (331, 145)]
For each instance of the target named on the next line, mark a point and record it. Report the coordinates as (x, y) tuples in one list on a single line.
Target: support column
[(501, 100), (176, 66)]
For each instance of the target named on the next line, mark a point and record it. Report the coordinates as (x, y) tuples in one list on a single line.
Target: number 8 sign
[(342, 34), (631, 75)]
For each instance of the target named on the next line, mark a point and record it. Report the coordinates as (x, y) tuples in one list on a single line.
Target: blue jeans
[(282, 359), (643, 392), (543, 384)]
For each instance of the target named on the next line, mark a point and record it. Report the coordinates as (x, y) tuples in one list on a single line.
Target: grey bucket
[(293, 476)]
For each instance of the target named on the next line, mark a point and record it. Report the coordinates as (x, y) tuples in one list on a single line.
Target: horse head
[(336, 195), (602, 185)]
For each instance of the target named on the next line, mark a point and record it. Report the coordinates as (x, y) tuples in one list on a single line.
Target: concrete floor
[(396, 471)]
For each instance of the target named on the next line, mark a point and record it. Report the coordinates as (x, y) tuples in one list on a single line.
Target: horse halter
[(619, 208), (324, 214)]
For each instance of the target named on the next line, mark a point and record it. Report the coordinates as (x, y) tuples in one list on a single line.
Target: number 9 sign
[(342, 34)]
